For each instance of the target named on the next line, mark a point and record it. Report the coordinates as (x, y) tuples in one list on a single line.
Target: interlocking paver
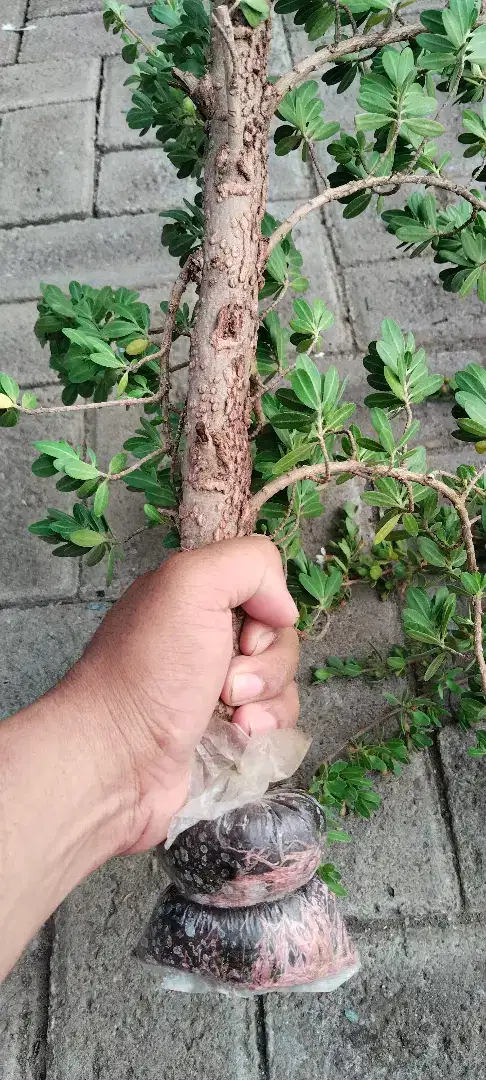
[(47, 162), (28, 363), (109, 1012), (48, 83), (23, 1012), (76, 35), (111, 251), (417, 1007), (412, 294), (39, 9), (467, 800), (12, 14)]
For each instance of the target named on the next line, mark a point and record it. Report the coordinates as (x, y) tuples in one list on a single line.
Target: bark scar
[(228, 327)]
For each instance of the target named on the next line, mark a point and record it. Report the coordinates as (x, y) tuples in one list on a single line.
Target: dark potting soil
[(258, 852), (285, 943)]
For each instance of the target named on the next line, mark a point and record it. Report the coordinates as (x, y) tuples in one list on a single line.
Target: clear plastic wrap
[(231, 769), (255, 853), (297, 943)]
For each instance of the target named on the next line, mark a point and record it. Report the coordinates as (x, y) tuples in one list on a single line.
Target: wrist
[(100, 764)]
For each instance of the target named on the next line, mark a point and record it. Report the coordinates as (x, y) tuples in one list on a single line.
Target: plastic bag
[(297, 943), (231, 769), (258, 852), (247, 916)]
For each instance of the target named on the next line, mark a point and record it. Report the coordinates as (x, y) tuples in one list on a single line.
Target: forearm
[(64, 809)]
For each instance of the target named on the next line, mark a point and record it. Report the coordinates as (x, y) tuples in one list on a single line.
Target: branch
[(199, 90), (337, 50), (138, 465), (336, 468), (44, 409), (355, 186), (325, 470)]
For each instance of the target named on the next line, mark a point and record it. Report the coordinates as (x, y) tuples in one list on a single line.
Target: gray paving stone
[(400, 861), (420, 1005), (47, 161), (76, 35), (12, 13), (466, 796), (27, 362), (280, 59), (113, 251), (39, 9), (116, 99), (48, 83), (140, 182), (23, 1010), (333, 712), (29, 571), (314, 246), (108, 1012), (412, 294), (39, 644)]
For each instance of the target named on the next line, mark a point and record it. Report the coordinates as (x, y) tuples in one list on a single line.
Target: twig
[(275, 302), (320, 173), (411, 505), (44, 409), (129, 29), (346, 47), (178, 367), (226, 34), (324, 471), (355, 186), (233, 103), (335, 51), (138, 465)]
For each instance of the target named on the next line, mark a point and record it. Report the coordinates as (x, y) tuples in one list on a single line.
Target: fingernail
[(245, 688), (266, 638)]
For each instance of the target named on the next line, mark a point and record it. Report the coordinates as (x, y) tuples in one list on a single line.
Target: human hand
[(163, 656)]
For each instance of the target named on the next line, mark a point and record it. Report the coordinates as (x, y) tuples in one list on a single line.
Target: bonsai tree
[(263, 430)]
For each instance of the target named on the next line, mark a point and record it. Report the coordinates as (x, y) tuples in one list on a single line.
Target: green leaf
[(29, 400), (306, 380), (101, 499), (294, 457), (117, 463), (79, 470), (10, 388), (255, 11), (55, 449), (383, 429), (87, 538), (386, 527), (430, 551)]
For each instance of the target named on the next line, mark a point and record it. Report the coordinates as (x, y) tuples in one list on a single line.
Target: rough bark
[(217, 468)]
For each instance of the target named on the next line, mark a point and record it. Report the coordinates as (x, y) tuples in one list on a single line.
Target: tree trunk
[(217, 467)]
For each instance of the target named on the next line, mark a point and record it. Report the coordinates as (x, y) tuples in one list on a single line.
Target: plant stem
[(217, 463), (345, 47), (355, 186), (138, 465), (324, 471)]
